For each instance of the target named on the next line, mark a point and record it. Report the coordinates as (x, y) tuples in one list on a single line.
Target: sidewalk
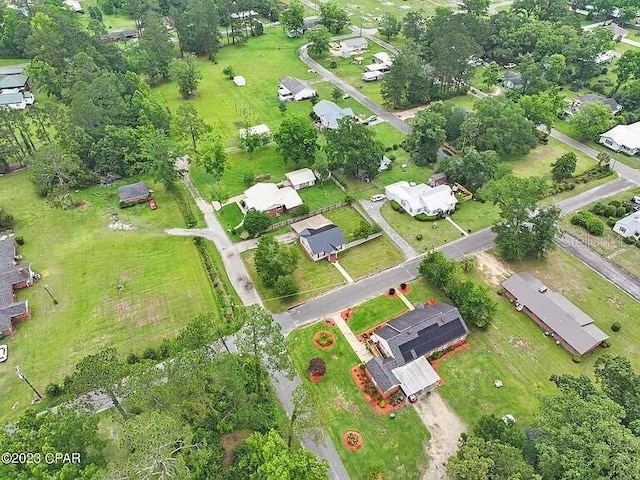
[(343, 272), (357, 346), (373, 210)]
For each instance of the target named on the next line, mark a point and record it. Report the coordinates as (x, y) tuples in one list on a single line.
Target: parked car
[(152, 204), (370, 119), (510, 65), (4, 353), (378, 197)]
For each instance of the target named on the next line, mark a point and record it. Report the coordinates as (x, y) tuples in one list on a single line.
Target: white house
[(377, 67), (353, 46), (623, 138), (267, 197), (383, 58), (295, 89), (261, 129), (300, 178), (628, 226), (329, 113), (13, 101), (372, 76), (421, 198)]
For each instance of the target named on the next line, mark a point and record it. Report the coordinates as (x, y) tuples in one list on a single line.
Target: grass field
[(515, 351), (125, 289), (538, 161), (395, 447), (321, 195), (230, 216)]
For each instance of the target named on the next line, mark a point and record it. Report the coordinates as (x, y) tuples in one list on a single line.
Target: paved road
[(373, 210)]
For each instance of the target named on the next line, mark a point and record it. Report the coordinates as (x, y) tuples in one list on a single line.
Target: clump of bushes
[(53, 390), (423, 217), (392, 291), (419, 237), (576, 359), (396, 206), (629, 240), (317, 367), (589, 221), (616, 326)]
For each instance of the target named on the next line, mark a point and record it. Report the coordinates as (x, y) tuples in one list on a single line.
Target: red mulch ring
[(356, 375), (319, 345), (329, 322), (347, 314), (388, 295), (405, 290), (359, 440), (315, 378)]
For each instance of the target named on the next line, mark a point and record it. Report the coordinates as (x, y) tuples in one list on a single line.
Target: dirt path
[(492, 268), (445, 428)]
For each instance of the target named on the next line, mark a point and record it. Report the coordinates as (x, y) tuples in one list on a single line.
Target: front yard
[(394, 447), (538, 161)]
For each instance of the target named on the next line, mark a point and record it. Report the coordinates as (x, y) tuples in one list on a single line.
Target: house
[(618, 32), (17, 82), (261, 129), (606, 57), (437, 179), (119, 34), (329, 113), (13, 101), (73, 5), (295, 90), (512, 80), (300, 178), (134, 193), (323, 242), (13, 276), (623, 138), (353, 46), (267, 197), (407, 341), (560, 318), (577, 103), (629, 226), (383, 58), (421, 198), (312, 223), (372, 76), (377, 67)]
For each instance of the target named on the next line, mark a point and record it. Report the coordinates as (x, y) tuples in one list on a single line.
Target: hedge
[(423, 217), (589, 221)]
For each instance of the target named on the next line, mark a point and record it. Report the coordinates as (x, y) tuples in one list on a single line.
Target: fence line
[(289, 221), (360, 241)]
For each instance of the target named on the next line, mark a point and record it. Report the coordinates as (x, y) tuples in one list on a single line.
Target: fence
[(360, 241), (289, 221), (338, 184)]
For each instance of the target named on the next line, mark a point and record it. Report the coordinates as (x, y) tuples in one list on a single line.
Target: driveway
[(373, 210)]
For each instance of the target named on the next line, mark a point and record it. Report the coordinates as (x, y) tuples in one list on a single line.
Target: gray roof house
[(12, 277), (134, 193), (351, 46), (19, 81), (329, 113), (578, 102), (628, 226), (618, 31), (569, 325), (294, 89), (512, 80), (13, 69), (407, 340), (323, 242)]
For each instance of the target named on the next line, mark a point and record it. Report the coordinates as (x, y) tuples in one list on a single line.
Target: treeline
[(586, 430)]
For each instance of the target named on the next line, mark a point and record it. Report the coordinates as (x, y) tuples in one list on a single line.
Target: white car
[(378, 197), (510, 65)]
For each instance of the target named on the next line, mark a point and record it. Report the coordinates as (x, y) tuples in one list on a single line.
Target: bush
[(621, 212), (303, 209), (190, 220), (598, 208), (286, 286), (362, 366), (333, 64), (53, 390), (150, 354), (403, 286), (317, 366), (629, 240), (616, 326), (395, 146), (576, 359), (348, 199), (382, 403), (20, 240), (248, 179), (606, 343), (610, 210), (256, 222), (423, 217), (392, 291), (615, 203), (589, 221), (611, 221), (396, 206), (419, 237), (133, 358), (324, 338)]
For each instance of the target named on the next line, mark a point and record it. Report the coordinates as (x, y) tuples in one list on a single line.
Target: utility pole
[(22, 377)]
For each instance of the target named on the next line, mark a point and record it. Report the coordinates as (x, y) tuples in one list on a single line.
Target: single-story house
[(18, 81), (628, 226), (407, 341), (13, 69), (312, 223), (383, 58), (267, 197), (353, 46), (134, 193), (13, 276), (295, 89), (437, 179), (623, 138), (300, 178), (119, 34), (261, 129), (323, 242), (577, 103), (329, 113), (512, 80), (560, 318), (421, 198), (13, 101), (372, 76)]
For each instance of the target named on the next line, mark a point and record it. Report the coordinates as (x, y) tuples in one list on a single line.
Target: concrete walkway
[(285, 238), (405, 300), (342, 271), (448, 219), (373, 210), (358, 347)]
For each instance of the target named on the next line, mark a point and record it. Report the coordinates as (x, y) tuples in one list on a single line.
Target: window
[(622, 230), (609, 142)]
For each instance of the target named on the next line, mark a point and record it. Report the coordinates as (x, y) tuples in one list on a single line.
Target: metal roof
[(133, 192), (13, 81), (416, 376)]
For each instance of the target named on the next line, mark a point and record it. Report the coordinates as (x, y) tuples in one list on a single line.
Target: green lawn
[(230, 216), (321, 195), (396, 447), (538, 161), (462, 101), (347, 218), (123, 289), (515, 351), (373, 256), (6, 62), (474, 216)]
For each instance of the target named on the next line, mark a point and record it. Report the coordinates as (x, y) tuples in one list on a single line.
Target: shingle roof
[(10, 274), (357, 42), (294, 85), (327, 239), (13, 81), (11, 98), (13, 69), (133, 192), (331, 113), (382, 375)]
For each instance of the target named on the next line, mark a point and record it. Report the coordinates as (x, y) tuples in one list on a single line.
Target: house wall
[(7, 333), (609, 143), (305, 244), (383, 343), (385, 394)]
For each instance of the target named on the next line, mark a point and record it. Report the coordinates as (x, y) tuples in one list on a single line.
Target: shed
[(301, 178), (134, 193), (437, 179), (239, 80)]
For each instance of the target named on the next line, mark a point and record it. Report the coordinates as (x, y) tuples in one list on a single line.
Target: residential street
[(373, 210)]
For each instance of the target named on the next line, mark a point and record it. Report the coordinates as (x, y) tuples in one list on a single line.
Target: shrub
[(395, 146), (589, 221), (286, 286), (256, 222), (629, 240), (615, 203), (610, 210), (621, 212), (303, 209), (419, 237), (20, 240), (382, 403), (248, 179), (423, 217), (392, 291), (606, 343), (576, 359), (362, 366), (349, 199), (616, 326), (190, 220), (397, 398), (324, 338), (133, 358), (53, 390), (598, 208), (317, 366), (611, 221), (150, 354), (333, 64), (396, 206), (403, 286)]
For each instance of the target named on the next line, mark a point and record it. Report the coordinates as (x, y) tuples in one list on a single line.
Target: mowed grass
[(515, 351), (230, 216), (321, 195), (539, 160), (395, 447), (123, 289)]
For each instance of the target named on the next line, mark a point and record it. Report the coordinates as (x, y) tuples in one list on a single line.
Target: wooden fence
[(289, 221)]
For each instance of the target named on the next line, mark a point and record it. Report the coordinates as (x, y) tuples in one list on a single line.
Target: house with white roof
[(261, 129), (267, 197), (329, 113), (421, 198), (383, 57), (628, 226), (300, 178), (623, 138), (353, 46), (294, 89)]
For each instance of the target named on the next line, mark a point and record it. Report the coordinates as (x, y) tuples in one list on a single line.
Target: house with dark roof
[(512, 80), (294, 89), (119, 34), (14, 82), (577, 103), (560, 319), (13, 276), (407, 341), (323, 242), (134, 193)]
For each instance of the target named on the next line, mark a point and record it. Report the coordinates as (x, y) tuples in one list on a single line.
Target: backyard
[(122, 289), (394, 447)]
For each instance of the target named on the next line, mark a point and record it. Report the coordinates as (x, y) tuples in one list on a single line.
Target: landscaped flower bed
[(324, 339), (352, 440), (372, 396)]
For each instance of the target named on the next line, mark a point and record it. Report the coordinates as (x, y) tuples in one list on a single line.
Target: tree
[(250, 139), (305, 419), (198, 28), (628, 67), (473, 300), (629, 95), (273, 260), (256, 222), (475, 7), (261, 338), (592, 120), (408, 81), (286, 286), (355, 148), (493, 428), (389, 26), (336, 94), (426, 137), (333, 16), (212, 156), (189, 125), (160, 153), (297, 140), (436, 269), (564, 167), (620, 383), (102, 373), (543, 108), (229, 72), (154, 51), (292, 19), (186, 73), (267, 457), (492, 75), (319, 41), (473, 170)]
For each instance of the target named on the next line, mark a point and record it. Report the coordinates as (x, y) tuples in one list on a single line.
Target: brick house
[(13, 276)]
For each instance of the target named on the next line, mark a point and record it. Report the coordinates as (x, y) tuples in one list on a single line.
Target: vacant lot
[(394, 447), (125, 289), (538, 161)]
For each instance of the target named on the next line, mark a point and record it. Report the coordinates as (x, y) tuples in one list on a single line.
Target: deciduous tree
[(273, 260), (319, 41), (297, 140), (333, 16), (186, 73), (592, 120), (212, 156), (389, 26), (256, 222), (426, 137), (189, 125), (305, 419), (293, 17), (564, 167)]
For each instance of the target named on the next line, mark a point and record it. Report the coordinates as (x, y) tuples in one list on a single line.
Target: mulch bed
[(359, 443), (346, 314), (405, 290), (329, 322), (356, 375), (324, 347), (315, 378)]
